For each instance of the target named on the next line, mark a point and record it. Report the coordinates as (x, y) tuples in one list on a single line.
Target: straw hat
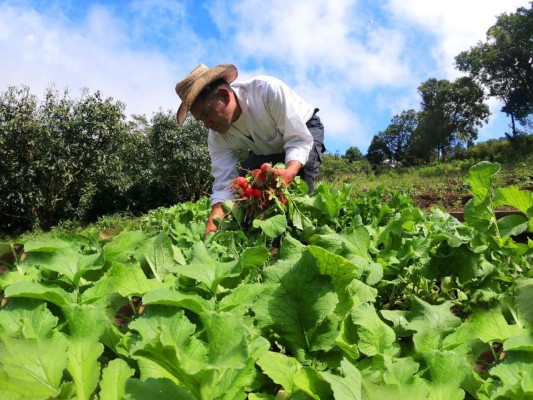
[(190, 87)]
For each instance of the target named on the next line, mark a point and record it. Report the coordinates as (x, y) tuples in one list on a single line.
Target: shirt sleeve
[(223, 169), (291, 114)]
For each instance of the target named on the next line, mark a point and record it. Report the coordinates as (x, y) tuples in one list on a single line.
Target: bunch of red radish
[(258, 190)]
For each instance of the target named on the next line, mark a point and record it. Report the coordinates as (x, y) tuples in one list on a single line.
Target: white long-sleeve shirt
[(273, 120)]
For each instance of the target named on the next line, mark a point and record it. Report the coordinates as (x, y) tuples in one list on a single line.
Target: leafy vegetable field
[(341, 295)]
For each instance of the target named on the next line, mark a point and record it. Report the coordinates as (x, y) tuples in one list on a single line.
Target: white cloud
[(96, 53), (331, 41), (359, 62), (456, 25)]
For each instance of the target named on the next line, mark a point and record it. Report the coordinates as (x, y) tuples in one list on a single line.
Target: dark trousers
[(309, 171)]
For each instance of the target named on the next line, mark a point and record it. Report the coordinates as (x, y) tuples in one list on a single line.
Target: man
[(262, 115)]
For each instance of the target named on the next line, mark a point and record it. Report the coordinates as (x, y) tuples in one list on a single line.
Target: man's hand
[(216, 211), (289, 172)]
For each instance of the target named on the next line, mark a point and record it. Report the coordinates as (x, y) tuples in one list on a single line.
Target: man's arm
[(216, 211)]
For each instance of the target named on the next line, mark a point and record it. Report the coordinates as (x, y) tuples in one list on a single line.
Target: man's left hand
[(289, 172)]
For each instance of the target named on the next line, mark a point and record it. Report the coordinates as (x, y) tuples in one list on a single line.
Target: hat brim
[(227, 71)]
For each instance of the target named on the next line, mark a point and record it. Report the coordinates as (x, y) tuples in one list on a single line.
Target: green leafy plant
[(349, 294)]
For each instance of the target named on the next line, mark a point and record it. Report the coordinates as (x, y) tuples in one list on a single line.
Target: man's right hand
[(216, 211)]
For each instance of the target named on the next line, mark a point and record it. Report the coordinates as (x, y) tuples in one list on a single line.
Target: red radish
[(265, 167), (242, 182), (258, 175), (256, 192)]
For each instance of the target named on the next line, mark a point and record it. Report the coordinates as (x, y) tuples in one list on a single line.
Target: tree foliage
[(55, 153), (180, 159), (353, 154), (451, 113), (378, 151), (394, 142), (503, 64), (337, 168), (78, 159)]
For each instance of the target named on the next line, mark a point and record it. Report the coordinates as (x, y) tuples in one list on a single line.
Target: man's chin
[(220, 130)]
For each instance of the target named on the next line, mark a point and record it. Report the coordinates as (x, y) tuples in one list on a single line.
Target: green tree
[(451, 112), (502, 64), (353, 154), (397, 136), (180, 159), (378, 151), (55, 153)]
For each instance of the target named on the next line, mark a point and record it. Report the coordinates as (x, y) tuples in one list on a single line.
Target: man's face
[(213, 112)]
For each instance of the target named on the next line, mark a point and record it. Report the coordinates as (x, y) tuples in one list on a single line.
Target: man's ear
[(224, 95)]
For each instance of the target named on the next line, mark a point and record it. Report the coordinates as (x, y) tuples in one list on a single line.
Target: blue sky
[(359, 61)]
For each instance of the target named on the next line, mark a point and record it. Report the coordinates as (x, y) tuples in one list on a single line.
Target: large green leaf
[(447, 371), (254, 256), (280, 368), (347, 385), (206, 269), (125, 279), (431, 324), (190, 301), (218, 369), (240, 299), (460, 262), (512, 196), (515, 375), (295, 305), (86, 324), (114, 378), (375, 336), (486, 325), (512, 225), (159, 254), (519, 342), (123, 247), (152, 388), (27, 317), (524, 299), (480, 178), (479, 215), (342, 273), (312, 383), (32, 368), (273, 226), (225, 351), (36, 290), (390, 377), (61, 256)]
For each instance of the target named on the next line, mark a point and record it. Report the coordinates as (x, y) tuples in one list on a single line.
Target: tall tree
[(394, 142), (378, 151), (451, 112), (504, 64), (398, 134), (353, 154)]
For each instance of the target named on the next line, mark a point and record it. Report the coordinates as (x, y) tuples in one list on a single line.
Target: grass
[(440, 184), (436, 185)]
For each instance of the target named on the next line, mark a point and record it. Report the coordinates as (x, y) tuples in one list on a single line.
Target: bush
[(54, 154), (335, 168), (77, 160), (500, 150), (178, 167)]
